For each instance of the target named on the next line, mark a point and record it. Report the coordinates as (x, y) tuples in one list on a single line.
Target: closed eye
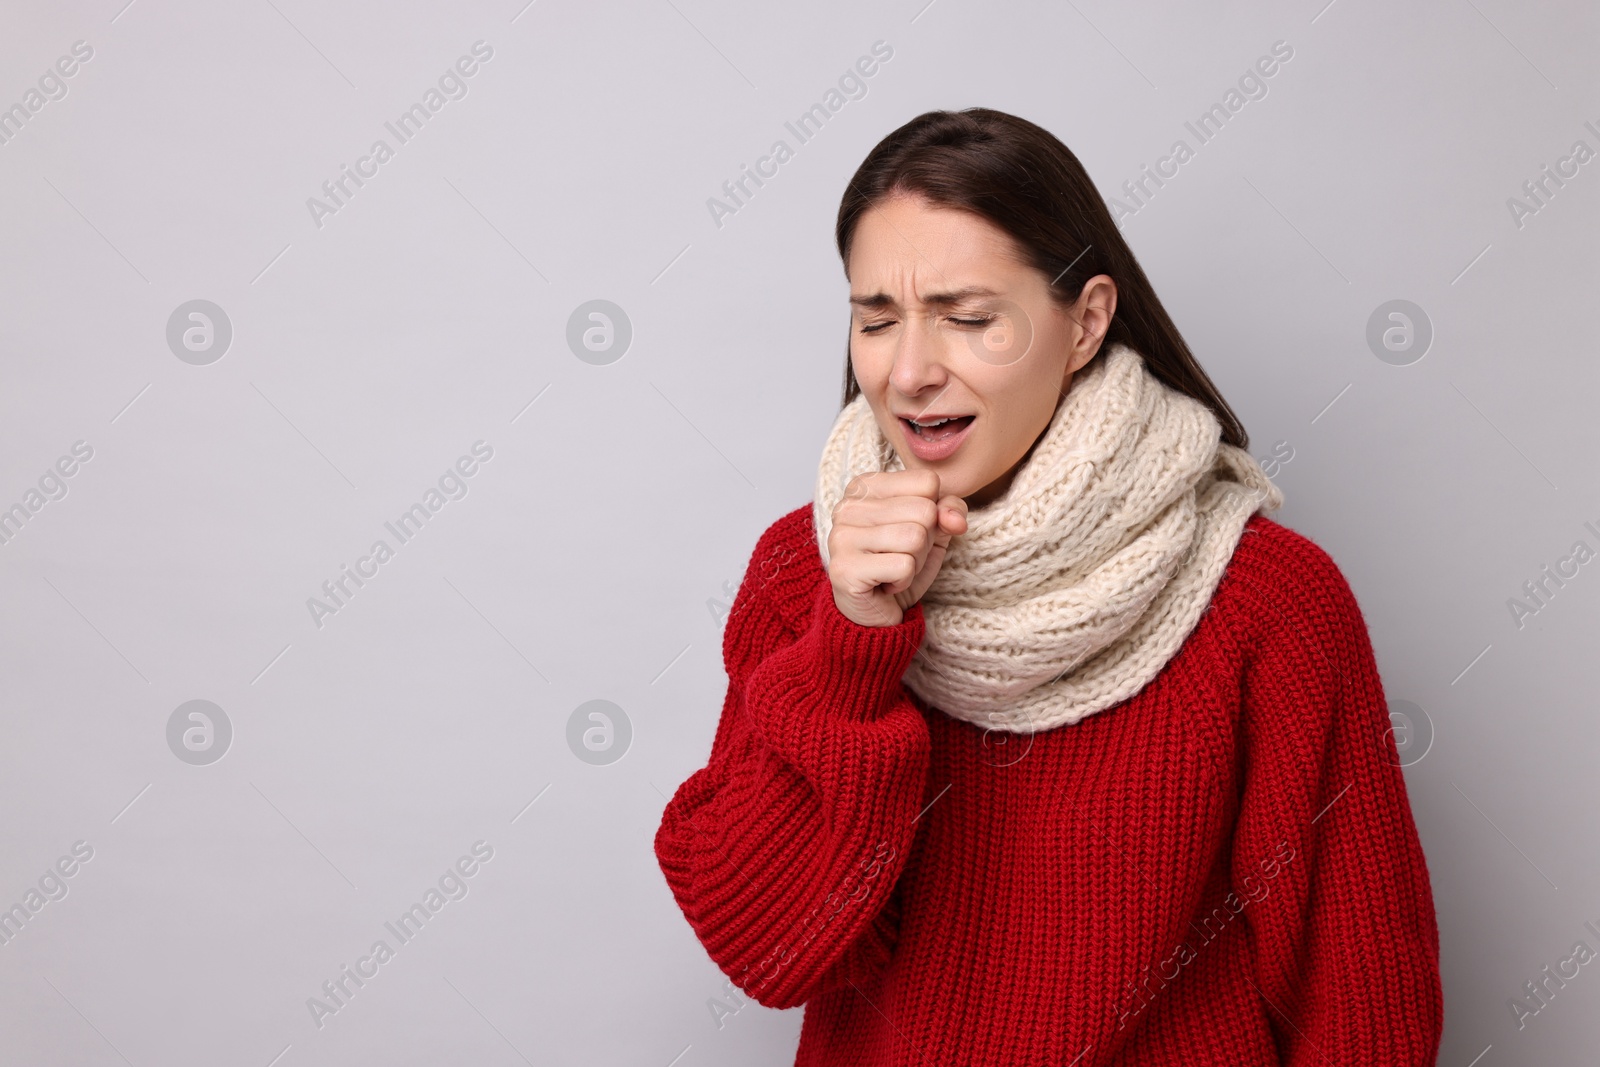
[(877, 326)]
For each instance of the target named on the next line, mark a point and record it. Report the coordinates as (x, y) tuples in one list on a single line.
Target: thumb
[(952, 517)]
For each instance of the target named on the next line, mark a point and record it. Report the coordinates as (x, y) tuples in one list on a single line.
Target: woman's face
[(948, 320)]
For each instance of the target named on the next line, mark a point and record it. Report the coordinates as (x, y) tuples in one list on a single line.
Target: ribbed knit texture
[(1073, 589), (1221, 870)]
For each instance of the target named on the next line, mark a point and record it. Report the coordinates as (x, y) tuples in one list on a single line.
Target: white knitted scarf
[(1072, 590)]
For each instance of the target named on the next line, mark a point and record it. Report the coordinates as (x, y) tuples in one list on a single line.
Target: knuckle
[(836, 544)]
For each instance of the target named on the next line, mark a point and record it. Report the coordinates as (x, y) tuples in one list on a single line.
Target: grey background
[(622, 501)]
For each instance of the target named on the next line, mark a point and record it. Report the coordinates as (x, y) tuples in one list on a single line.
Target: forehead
[(908, 249)]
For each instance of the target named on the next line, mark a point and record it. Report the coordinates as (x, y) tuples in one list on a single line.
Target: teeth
[(929, 425)]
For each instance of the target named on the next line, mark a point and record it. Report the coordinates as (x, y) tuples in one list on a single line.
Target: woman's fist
[(889, 536)]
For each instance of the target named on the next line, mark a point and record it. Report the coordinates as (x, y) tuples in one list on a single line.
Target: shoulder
[(1266, 543), (1274, 566), (1308, 672), (1280, 589)]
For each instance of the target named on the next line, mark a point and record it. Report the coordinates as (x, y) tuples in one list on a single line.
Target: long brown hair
[(1021, 177)]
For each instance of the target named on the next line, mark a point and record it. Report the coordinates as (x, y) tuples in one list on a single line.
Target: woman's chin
[(951, 482)]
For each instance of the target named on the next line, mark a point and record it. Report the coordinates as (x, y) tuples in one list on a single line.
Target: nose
[(919, 359)]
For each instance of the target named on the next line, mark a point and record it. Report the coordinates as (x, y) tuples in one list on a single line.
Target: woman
[(1042, 743)]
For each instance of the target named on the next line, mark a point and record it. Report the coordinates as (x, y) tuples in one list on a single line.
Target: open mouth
[(936, 439), (941, 429)]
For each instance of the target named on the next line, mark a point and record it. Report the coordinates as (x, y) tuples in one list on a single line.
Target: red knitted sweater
[(1222, 869)]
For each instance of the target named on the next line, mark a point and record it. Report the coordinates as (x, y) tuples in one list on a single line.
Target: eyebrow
[(881, 300)]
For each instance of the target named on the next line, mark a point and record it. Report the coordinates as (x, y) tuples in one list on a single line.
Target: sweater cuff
[(862, 665)]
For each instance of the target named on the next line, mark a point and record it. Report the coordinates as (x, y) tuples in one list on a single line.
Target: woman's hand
[(889, 536)]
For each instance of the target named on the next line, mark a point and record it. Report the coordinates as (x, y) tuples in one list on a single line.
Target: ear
[(1092, 313)]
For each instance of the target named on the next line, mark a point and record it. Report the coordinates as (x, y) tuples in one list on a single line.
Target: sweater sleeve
[(782, 852), (1344, 943)]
